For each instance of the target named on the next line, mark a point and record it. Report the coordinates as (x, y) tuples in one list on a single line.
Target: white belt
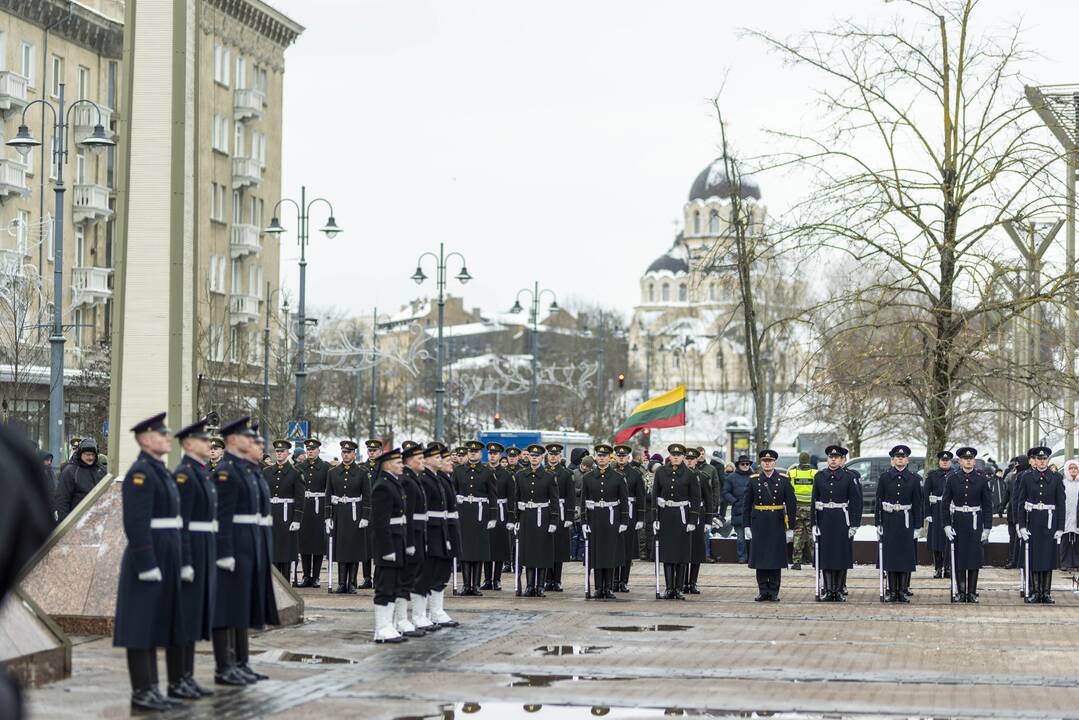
[(974, 511), (317, 496), (896, 507), (502, 509), (821, 505), (534, 506), (399, 520), (1028, 506), (335, 499), (562, 509), (631, 500), (166, 523), (473, 499), (266, 520), (282, 501), (202, 526), (680, 504), (609, 504), (245, 519), (452, 515), (416, 517), (934, 499), (437, 514)]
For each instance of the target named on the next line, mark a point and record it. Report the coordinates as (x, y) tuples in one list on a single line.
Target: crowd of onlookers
[(75, 477)]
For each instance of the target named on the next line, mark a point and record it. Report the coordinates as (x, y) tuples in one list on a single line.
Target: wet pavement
[(717, 654)]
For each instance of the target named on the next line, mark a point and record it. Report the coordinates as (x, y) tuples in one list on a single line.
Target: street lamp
[(24, 142), (441, 261), (535, 295), (266, 360), (330, 230)]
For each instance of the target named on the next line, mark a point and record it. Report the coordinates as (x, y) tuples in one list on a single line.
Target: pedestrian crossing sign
[(297, 430)]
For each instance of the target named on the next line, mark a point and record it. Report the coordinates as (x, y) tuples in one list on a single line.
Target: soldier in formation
[(1039, 501), (347, 497), (312, 539), (898, 515), (636, 510), (537, 517), (677, 497), (286, 505), (505, 504), (768, 514), (476, 504), (604, 518), (563, 518), (836, 517), (694, 461), (968, 513), (935, 513)]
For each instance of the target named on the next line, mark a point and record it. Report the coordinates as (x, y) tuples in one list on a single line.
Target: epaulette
[(754, 475)]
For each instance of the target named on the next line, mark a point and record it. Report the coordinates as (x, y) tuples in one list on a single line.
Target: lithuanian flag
[(666, 411)]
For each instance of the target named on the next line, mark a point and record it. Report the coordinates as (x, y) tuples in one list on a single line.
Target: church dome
[(674, 262), (713, 182)]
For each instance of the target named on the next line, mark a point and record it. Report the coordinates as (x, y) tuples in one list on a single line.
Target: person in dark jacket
[(898, 517), (1039, 499), (78, 478), (149, 614), (286, 506), (936, 512), (734, 493), (677, 495), (968, 504), (768, 512), (390, 540), (837, 513), (348, 493), (1019, 465), (635, 513)]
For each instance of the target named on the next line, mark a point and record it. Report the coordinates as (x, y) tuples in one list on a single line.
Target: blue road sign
[(297, 430)]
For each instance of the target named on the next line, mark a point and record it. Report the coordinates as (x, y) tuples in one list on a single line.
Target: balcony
[(86, 119), (244, 240), (245, 171), (13, 178), (243, 309), (11, 264), (90, 203), (12, 91), (90, 285), (247, 104)]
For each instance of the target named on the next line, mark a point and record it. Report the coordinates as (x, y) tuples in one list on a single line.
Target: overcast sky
[(553, 141)]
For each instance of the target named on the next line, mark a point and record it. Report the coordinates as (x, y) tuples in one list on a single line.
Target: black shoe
[(1010, 565), (315, 583), (694, 590), (1031, 599), (194, 685), (678, 595), (366, 584), (902, 598), (352, 590), (487, 586), (540, 593), (168, 701), (181, 691), (555, 587), (1047, 599), (248, 677), (305, 583), (622, 587), (947, 574), (938, 574), (244, 667), (496, 586), (972, 597), (340, 590), (476, 592), (761, 598), (796, 566), (229, 676), (529, 591), (773, 598), (149, 700)]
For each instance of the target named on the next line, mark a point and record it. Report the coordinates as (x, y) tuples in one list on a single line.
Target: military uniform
[(416, 507), (935, 513), (836, 515), (390, 533), (476, 502), (968, 502), (636, 512), (506, 503), (312, 538), (677, 494), (563, 519), (1040, 510), (286, 508), (436, 563), (374, 447), (697, 552), (435, 607), (768, 515), (347, 494), (898, 516), (263, 601), (537, 515), (149, 611), (604, 517)]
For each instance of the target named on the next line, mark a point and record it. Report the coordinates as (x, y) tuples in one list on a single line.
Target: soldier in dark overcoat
[(837, 515), (604, 517), (636, 512), (286, 505), (501, 537), (312, 539), (898, 515), (435, 603), (697, 552), (934, 511), (390, 540), (1039, 499), (348, 497), (968, 504), (768, 513), (567, 497), (676, 498), (537, 517), (477, 504)]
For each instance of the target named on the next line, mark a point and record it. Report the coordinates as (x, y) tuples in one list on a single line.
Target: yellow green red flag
[(665, 411)]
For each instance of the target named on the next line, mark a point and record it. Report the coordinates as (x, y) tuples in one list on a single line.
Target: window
[(254, 281), (260, 79), (222, 59), (217, 202), (237, 207), (217, 273), (234, 344), (83, 83), (238, 140), (215, 348), (80, 247), (23, 232), (80, 167), (52, 158), (683, 293), (666, 293), (241, 73), (76, 331), (237, 279), (219, 133), (26, 63), (258, 147), (713, 222), (57, 74), (110, 97), (651, 293), (696, 222), (676, 361), (256, 213)]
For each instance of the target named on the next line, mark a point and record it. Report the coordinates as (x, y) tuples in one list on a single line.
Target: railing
[(12, 90), (247, 103), (11, 263), (244, 240), (245, 171), (13, 177), (86, 117), (243, 309), (90, 201), (90, 284)]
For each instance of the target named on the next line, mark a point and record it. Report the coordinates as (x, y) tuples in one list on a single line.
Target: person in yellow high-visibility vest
[(802, 481)]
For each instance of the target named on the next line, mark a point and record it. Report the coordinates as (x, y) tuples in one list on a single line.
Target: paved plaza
[(715, 654)]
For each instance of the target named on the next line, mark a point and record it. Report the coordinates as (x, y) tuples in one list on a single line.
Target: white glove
[(816, 531), (152, 575), (880, 532), (491, 524), (661, 502), (949, 532), (228, 563), (364, 523), (448, 546), (851, 532), (917, 533), (187, 573), (790, 535), (1057, 535), (929, 519), (509, 526), (690, 527), (568, 523), (1025, 534), (655, 526), (294, 527), (639, 525), (390, 558), (517, 527), (749, 534), (586, 529), (329, 525), (410, 550), (622, 528), (716, 522), (985, 535), (551, 528)]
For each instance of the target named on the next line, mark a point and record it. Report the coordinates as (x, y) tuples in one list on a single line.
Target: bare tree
[(24, 339)]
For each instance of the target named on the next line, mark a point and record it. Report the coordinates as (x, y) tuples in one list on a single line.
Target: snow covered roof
[(479, 362), (476, 328), (713, 182), (673, 262)]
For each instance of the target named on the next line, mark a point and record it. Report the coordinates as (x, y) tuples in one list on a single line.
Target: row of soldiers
[(197, 565)]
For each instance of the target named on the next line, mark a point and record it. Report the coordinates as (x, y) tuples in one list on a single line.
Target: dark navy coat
[(198, 504), (968, 490), (263, 602), (933, 491), (567, 494), (149, 614), (900, 546), (1040, 487), (416, 503), (605, 545), (768, 511), (636, 510), (506, 512), (834, 550), (286, 505), (675, 485), (453, 525), (475, 482), (347, 497), (438, 535), (237, 495), (540, 487), (315, 474), (388, 504), (734, 494)]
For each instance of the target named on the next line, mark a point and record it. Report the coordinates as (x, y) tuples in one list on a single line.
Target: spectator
[(1069, 543), (78, 478), (50, 475), (734, 493)]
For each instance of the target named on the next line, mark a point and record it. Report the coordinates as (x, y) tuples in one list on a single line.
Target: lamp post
[(24, 142), (266, 363), (330, 230), (535, 295), (441, 261)]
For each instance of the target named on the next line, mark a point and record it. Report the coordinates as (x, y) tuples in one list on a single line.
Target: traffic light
[(621, 379), (498, 420), (646, 437)]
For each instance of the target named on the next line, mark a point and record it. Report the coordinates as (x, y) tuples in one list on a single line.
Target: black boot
[(488, 574), (694, 574), (1047, 588), (189, 672), (961, 587), (367, 584), (496, 582), (890, 586), (668, 579), (938, 565), (972, 586), (225, 659), (541, 578), (342, 578), (316, 571), (554, 581), (623, 577), (679, 581), (904, 588)]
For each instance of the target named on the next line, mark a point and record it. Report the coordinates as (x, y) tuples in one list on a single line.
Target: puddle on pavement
[(558, 650), (527, 680), (646, 628), (304, 658), (512, 711)]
